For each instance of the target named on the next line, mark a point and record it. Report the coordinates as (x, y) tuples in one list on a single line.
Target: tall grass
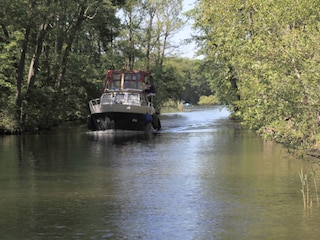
[(309, 187)]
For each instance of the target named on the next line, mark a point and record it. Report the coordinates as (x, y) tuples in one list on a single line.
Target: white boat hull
[(131, 112)]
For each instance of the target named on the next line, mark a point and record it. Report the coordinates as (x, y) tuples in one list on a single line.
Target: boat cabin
[(135, 80), (127, 103)]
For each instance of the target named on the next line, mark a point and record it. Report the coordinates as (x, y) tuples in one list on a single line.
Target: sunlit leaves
[(273, 50)]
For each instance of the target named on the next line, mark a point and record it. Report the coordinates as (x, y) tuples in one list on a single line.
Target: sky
[(186, 50)]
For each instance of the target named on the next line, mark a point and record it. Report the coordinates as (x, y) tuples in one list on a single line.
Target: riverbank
[(5, 131), (36, 130), (313, 151)]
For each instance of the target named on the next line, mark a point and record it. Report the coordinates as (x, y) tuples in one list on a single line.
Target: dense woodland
[(261, 58), (264, 60), (54, 55)]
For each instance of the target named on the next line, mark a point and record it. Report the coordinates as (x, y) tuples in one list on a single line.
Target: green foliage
[(51, 57), (54, 55), (208, 100), (168, 85), (264, 61), (181, 79)]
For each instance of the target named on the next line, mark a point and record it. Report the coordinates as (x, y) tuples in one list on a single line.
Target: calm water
[(201, 177)]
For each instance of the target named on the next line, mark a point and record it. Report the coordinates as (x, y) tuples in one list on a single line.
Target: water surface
[(201, 177)]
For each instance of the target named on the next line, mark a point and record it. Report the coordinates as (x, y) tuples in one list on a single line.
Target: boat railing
[(137, 90), (125, 98), (94, 105), (107, 98), (133, 99)]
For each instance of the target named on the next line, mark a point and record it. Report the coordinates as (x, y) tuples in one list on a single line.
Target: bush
[(208, 100)]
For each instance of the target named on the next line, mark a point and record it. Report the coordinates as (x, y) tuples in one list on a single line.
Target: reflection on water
[(201, 177)]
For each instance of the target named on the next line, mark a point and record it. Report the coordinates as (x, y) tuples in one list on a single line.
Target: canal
[(200, 177)]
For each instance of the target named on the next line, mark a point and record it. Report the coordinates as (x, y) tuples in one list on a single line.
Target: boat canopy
[(117, 79)]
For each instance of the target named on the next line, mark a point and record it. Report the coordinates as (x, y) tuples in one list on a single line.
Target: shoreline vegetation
[(204, 101), (266, 67), (171, 106)]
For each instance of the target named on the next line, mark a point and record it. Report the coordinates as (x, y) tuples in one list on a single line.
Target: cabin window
[(107, 98), (115, 85), (130, 84), (119, 98), (116, 79), (131, 80), (134, 99), (136, 76)]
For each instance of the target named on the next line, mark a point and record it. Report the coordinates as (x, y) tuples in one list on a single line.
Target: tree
[(53, 40), (266, 63), (168, 22), (55, 54), (148, 26)]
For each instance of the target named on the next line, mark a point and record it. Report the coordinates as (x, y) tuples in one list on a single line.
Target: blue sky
[(186, 50)]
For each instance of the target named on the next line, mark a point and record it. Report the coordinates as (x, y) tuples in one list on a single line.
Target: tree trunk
[(163, 49), (131, 56), (20, 71), (149, 37), (33, 69), (70, 38)]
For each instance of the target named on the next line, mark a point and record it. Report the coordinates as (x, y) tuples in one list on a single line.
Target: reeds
[(306, 185)]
